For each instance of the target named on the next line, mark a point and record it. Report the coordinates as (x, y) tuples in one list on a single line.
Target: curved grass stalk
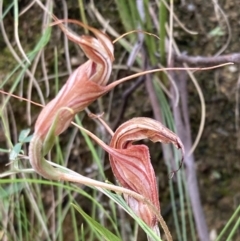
[(17, 58), (224, 47), (16, 15), (202, 102), (203, 112), (177, 19)]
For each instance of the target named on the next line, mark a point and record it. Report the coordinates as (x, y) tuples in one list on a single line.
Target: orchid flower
[(85, 85), (132, 166), (130, 163)]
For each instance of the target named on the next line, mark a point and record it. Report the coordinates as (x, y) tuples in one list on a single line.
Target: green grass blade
[(92, 149), (109, 236), (223, 232)]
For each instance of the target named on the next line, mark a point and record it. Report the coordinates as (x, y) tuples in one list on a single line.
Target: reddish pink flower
[(132, 166), (85, 84), (130, 163)]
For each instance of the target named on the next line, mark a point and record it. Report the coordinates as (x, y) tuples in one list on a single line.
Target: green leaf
[(12, 189), (109, 236), (23, 135), (28, 139), (216, 32), (15, 151)]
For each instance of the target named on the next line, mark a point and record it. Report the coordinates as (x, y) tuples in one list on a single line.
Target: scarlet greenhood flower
[(85, 84), (130, 163), (132, 166)]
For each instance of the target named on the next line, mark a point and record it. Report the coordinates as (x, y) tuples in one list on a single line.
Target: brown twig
[(208, 61), (125, 97), (182, 121)]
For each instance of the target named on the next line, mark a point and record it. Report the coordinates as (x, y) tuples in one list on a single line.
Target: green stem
[(228, 224)]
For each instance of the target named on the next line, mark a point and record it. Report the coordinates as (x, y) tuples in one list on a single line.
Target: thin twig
[(124, 98), (208, 61)]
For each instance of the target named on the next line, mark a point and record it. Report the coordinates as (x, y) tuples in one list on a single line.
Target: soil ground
[(217, 155)]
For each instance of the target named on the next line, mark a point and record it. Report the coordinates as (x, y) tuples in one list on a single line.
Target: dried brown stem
[(181, 117), (208, 61), (125, 97)]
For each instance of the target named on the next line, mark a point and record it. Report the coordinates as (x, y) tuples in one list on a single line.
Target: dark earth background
[(217, 155)]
